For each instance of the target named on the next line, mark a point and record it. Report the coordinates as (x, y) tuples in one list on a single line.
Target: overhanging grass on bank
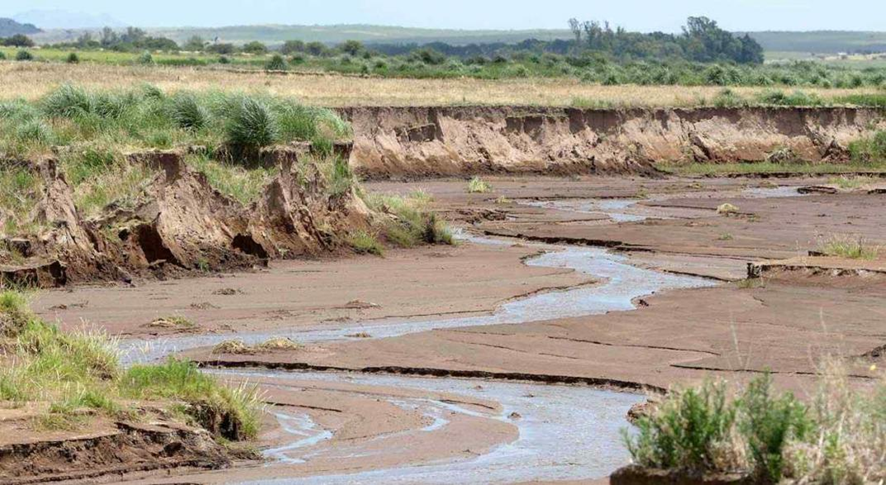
[(91, 132), (75, 371), (146, 117)]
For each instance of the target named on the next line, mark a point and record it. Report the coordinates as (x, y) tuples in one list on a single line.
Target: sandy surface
[(417, 283)]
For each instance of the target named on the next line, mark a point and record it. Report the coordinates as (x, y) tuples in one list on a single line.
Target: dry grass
[(32, 80), (238, 347)]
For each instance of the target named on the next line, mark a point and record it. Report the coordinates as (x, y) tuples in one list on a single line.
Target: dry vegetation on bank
[(34, 80)]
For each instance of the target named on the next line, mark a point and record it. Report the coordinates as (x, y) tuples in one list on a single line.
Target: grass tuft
[(850, 247), (478, 186)]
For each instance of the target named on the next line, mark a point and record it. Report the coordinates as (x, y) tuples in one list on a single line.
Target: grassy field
[(33, 80)]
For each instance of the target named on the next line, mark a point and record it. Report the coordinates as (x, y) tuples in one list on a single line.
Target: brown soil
[(417, 283), (103, 450), (421, 142)]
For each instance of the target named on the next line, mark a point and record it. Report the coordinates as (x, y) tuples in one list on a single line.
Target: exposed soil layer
[(106, 450), (180, 225), (448, 141)]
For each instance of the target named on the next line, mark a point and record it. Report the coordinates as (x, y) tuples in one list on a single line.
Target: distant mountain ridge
[(9, 27)]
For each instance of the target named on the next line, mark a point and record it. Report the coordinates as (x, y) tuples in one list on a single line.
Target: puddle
[(565, 433)]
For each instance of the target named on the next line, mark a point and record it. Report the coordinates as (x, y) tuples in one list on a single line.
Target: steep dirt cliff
[(458, 141)]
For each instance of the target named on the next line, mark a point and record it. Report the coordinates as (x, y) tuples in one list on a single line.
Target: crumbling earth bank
[(459, 141), (180, 224)]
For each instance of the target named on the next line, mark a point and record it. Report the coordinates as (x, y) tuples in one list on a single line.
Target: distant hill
[(9, 27), (65, 19), (332, 34), (822, 42)]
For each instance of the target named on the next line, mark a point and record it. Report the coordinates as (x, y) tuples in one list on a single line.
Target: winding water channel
[(565, 432)]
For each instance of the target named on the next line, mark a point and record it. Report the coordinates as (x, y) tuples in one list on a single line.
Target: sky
[(637, 15)]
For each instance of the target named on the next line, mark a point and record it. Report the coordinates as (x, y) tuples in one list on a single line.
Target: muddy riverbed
[(555, 282)]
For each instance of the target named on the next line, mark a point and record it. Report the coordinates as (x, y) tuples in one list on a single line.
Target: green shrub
[(24, 55), (250, 126), (72, 58), (145, 59), (478, 186), (691, 431), (187, 112), (2, 56), (276, 63), (869, 149), (769, 423)]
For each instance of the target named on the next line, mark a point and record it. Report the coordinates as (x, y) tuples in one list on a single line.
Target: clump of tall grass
[(250, 126), (409, 220), (869, 149)]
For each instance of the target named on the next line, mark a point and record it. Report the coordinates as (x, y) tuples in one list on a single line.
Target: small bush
[(691, 431), (72, 58), (727, 210), (276, 63), (770, 423), (24, 55), (145, 59)]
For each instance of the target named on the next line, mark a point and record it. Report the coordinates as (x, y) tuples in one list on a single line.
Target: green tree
[(195, 44), (352, 47), (255, 47), (292, 47)]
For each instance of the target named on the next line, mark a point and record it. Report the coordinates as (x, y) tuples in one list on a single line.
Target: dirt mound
[(458, 141), (180, 225)]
